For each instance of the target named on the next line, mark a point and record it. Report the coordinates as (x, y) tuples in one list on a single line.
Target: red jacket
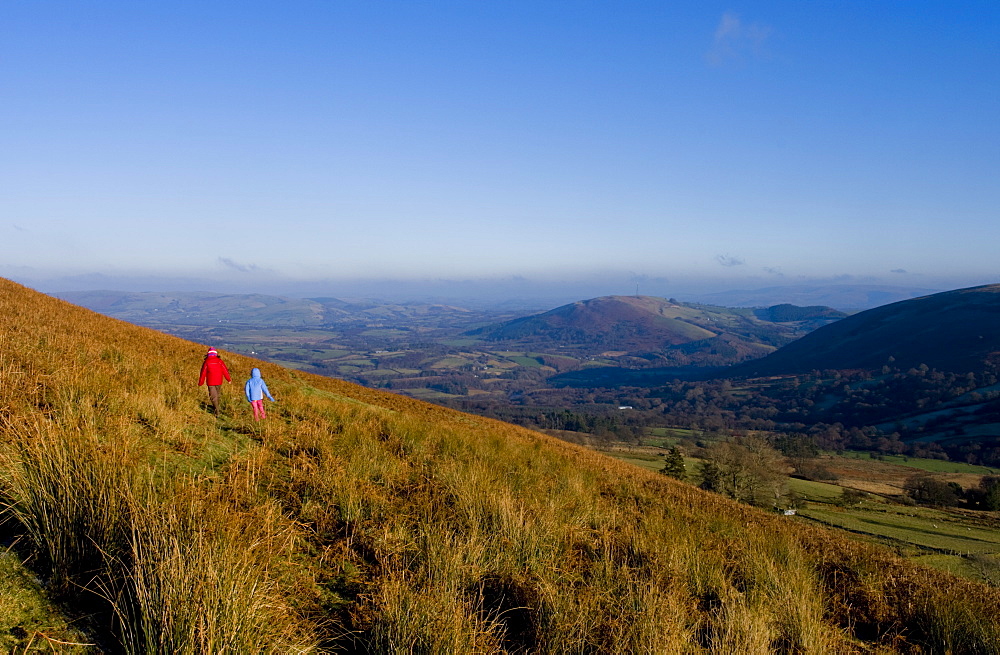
[(212, 371)]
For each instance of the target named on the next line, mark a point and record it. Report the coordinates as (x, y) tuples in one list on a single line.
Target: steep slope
[(358, 520), (956, 331)]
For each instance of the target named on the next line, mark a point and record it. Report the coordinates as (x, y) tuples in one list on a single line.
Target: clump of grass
[(200, 581), (72, 495), (171, 559), (415, 618)]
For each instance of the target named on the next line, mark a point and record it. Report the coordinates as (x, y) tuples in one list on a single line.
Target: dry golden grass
[(353, 519)]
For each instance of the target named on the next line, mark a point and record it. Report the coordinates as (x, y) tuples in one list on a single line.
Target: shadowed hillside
[(957, 331), (363, 521)]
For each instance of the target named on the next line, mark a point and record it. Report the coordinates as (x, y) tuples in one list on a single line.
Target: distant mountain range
[(201, 308), (846, 297), (956, 331)]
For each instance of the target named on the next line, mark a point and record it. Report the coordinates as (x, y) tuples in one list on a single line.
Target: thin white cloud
[(242, 268), (773, 271), (730, 261), (736, 41)]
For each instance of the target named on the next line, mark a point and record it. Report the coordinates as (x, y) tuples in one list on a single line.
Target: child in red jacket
[(213, 371)]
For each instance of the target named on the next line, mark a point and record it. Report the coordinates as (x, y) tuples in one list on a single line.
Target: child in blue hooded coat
[(256, 389)]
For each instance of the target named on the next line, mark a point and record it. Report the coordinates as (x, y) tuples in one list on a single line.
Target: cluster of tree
[(928, 490), (747, 469), (860, 398), (603, 422), (455, 384), (849, 497)]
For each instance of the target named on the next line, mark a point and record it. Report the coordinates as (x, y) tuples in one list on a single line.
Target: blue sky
[(679, 145)]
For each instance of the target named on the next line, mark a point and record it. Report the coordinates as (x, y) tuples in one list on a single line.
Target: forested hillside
[(956, 331)]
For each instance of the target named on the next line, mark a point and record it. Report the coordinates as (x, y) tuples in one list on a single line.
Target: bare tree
[(747, 469)]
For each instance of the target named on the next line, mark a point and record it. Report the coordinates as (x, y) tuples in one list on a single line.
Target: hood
[(255, 373)]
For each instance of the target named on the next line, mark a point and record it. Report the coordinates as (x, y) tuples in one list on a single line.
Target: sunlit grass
[(357, 520)]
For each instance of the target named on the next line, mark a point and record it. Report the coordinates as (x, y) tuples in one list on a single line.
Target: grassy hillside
[(363, 521)]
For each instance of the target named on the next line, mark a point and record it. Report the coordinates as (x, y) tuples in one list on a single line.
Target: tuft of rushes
[(200, 581), (72, 495)]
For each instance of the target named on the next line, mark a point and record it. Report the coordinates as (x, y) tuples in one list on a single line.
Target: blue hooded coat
[(256, 388)]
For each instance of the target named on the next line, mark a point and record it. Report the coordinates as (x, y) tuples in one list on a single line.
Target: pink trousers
[(258, 409)]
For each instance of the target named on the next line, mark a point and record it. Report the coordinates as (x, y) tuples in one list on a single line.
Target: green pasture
[(821, 492), (651, 463), (305, 351), (298, 366), (565, 360), (459, 342), (678, 433), (667, 437), (358, 362), (930, 465), (525, 361), (381, 373), (305, 355), (389, 355), (337, 352), (450, 362), (983, 568), (429, 394), (921, 527)]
